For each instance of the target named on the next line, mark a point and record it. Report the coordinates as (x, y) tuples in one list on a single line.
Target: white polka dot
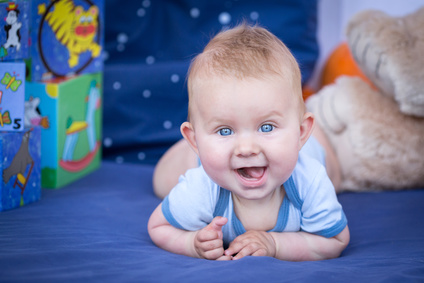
[(167, 124), (224, 18), (175, 78), (150, 60), (37, 67), (122, 38), (116, 85), (119, 159), (105, 55), (120, 47), (141, 12), (254, 16), (147, 93), (107, 142), (146, 3), (141, 156), (194, 13)]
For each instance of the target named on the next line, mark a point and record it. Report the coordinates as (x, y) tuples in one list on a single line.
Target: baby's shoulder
[(196, 182), (309, 176), (196, 176)]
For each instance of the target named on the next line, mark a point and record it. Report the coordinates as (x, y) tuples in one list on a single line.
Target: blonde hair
[(246, 52)]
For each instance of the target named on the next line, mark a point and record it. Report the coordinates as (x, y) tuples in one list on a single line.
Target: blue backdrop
[(148, 48)]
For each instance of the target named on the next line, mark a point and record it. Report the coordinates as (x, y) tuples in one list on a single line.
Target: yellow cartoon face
[(74, 27), (85, 23)]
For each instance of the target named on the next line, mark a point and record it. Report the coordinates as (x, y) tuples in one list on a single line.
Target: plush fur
[(378, 134), (378, 147), (389, 50)]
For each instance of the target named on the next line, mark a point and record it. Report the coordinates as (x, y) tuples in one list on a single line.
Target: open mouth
[(252, 176), (251, 172)]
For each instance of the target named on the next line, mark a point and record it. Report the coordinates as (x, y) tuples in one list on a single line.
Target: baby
[(263, 188)]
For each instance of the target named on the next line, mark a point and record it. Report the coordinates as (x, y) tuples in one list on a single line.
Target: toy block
[(70, 114), (20, 154), (67, 38), (12, 96), (14, 30)]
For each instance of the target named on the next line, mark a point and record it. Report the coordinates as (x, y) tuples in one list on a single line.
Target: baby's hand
[(208, 241), (255, 243)]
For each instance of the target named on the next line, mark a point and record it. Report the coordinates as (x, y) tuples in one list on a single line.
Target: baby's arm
[(174, 163), (292, 246), (205, 243)]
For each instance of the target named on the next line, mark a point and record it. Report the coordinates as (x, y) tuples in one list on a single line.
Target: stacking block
[(70, 113), (20, 154), (14, 29), (67, 38), (12, 96)]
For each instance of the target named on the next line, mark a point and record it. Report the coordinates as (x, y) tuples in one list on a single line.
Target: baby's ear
[(306, 127), (187, 131)]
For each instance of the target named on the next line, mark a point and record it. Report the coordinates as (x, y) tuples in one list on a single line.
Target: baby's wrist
[(274, 242)]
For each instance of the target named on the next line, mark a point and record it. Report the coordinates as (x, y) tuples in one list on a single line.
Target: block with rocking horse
[(69, 111)]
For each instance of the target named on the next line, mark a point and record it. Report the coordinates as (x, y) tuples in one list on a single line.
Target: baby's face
[(247, 133)]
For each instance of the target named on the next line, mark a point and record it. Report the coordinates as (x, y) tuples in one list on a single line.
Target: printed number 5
[(17, 123)]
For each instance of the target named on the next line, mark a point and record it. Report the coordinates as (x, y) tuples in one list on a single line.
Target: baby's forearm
[(302, 246), (170, 238), (176, 241)]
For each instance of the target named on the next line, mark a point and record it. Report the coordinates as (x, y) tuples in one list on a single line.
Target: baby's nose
[(246, 146)]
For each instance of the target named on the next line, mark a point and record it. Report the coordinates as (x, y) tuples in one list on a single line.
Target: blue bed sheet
[(95, 230)]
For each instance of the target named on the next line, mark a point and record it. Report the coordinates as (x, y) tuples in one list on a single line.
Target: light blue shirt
[(310, 203)]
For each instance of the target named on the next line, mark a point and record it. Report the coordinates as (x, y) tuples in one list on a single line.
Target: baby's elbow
[(342, 240), (155, 226), (335, 246)]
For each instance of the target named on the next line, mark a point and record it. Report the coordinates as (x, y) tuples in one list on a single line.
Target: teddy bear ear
[(387, 49)]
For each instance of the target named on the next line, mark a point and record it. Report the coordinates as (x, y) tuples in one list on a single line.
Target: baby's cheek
[(211, 162), (282, 163), (214, 165)]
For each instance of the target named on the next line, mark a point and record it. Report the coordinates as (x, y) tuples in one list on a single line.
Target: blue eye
[(225, 132), (266, 128)]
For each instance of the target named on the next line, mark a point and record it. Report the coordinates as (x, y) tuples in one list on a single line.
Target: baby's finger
[(207, 235), (238, 244), (243, 246), (214, 254), (233, 249), (211, 245), (224, 257), (244, 252), (250, 251), (217, 223)]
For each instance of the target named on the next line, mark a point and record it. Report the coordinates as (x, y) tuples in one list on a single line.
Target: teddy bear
[(377, 129)]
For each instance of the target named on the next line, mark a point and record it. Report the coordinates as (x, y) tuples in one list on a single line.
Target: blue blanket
[(96, 230)]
